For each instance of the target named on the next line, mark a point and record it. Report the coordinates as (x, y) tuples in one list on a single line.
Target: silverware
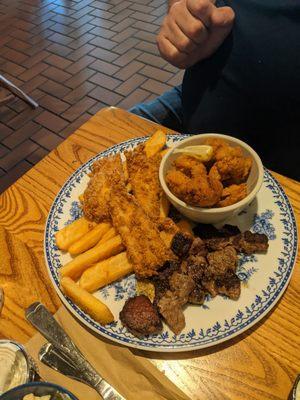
[(63, 346)]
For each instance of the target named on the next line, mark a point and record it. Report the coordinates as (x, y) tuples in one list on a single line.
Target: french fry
[(108, 235), (89, 239), (164, 206), (75, 268), (72, 232), (105, 272), (155, 143), (87, 302)]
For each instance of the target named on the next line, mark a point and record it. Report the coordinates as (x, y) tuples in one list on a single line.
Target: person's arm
[(192, 31)]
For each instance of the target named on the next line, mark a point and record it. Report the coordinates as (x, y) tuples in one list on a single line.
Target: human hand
[(192, 31)]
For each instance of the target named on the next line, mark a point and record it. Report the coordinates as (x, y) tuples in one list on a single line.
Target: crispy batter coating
[(232, 169), (191, 183), (96, 196), (222, 149), (145, 248), (232, 194), (143, 177)]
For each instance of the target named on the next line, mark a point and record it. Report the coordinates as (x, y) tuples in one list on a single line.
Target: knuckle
[(200, 6), (196, 30)]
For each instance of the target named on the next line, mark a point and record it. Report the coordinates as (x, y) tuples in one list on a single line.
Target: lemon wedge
[(202, 152)]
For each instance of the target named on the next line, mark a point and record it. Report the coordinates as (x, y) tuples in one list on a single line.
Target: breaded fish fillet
[(96, 196), (143, 178), (140, 235)]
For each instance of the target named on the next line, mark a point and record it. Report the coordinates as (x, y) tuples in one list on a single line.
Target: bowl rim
[(214, 210), (42, 383)]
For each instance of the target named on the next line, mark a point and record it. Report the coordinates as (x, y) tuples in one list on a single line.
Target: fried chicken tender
[(97, 194), (144, 181), (222, 149), (232, 194), (145, 248), (232, 169), (191, 183)]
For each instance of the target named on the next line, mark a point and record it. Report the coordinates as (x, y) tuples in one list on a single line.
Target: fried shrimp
[(232, 194), (191, 183), (222, 149), (232, 169)]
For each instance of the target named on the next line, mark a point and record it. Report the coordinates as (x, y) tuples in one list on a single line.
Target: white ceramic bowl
[(213, 215)]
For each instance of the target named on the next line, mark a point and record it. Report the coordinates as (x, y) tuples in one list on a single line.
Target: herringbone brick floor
[(74, 57)]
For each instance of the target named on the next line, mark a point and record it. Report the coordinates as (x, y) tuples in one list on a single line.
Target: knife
[(38, 315)]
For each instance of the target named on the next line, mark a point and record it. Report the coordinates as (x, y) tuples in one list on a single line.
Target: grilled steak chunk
[(161, 281), (206, 231), (198, 248), (222, 261), (249, 242), (197, 296), (219, 277), (140, 316), (181, 285), (170, 308), (181, 244), (230, 285), (170, 304)]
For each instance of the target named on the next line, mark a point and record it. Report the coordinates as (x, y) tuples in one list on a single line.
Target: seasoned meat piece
[(218, 243), (197, 296), (249, 242), (161, 281), (209, 285), (170, 308), (198, 247), (170, 303), (221, 264), (222, 261), (140, 316), (230, 285), (181, 244), (195, 267), (206, 231), (181, 285)]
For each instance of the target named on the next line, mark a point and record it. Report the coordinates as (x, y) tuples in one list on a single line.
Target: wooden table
[(259, 364)]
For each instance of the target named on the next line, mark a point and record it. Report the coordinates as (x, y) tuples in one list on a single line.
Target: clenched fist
[(192, 31)]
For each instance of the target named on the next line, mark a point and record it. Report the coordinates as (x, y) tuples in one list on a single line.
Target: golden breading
[(190, 182), (145, 249), (222, 149), (144, 181), (96, 196), (232, 169), (232, 194)]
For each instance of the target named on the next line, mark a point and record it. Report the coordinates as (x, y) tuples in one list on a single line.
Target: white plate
[(264, 276)]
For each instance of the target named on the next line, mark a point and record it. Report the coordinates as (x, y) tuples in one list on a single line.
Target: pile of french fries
[(99, 256)]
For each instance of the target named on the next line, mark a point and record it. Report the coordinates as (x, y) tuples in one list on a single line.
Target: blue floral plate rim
[(218, 333)]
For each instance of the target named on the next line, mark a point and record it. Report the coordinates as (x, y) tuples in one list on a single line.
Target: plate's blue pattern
[(276, 220)]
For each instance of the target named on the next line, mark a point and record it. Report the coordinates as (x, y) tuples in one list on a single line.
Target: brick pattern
[(74, 58)]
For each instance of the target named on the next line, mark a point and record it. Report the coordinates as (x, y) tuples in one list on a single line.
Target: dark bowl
[(37, 388)]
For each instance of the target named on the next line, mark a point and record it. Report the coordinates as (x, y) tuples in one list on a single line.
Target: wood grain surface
[(259, 364)]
